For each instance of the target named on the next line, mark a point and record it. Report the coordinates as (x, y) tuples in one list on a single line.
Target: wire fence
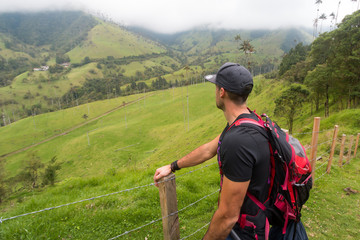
[(80, 201), (306, 133), (101, 196), (197, 230), (319, 144), (319, 168), (171, 214)]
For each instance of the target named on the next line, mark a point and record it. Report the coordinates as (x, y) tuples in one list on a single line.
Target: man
[(244, 159)]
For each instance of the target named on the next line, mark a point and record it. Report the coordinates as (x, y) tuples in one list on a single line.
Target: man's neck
[(233, 111)]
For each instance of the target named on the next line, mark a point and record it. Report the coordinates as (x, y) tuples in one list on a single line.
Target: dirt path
[(74, 128)]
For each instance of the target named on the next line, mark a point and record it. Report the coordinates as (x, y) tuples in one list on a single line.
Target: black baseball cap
[(233, 77)]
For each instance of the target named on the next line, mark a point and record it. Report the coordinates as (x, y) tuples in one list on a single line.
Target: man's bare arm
[(231, 199), (199, 155)]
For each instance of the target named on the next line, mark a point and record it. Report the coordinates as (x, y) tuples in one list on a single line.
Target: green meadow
[(32, 88), (109, 40), (121, 150)]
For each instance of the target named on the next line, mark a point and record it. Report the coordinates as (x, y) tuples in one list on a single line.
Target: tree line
[(326, 73)]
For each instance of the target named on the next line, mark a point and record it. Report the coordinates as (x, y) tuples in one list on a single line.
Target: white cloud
[(173, 15)]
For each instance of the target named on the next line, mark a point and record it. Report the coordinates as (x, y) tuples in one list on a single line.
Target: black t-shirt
[(245, 155)]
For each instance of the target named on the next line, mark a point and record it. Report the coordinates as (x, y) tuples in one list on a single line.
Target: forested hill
[(60, 30), (202, 41)]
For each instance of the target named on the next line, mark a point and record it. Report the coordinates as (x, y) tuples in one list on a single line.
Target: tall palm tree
[(238, 39), (332, 15), (248, 49), (322, 17), (315, 27), (337, 12), (317, 2)]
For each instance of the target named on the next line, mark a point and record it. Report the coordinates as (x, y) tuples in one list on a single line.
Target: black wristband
[(174, 166)]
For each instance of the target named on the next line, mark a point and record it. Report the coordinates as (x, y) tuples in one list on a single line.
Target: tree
[(238, 39), (294, 56), (317, 2), (322, 17), (56, 68), (30, 174), (319, 81), (86, 60), (290, 103), (332, 15), (62, 58), (246, 47), (337, 12), (334, 61), (50, 174)]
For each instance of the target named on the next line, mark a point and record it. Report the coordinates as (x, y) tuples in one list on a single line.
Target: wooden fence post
[(349, 150), (336, 130), (314, 142), (356, 145), (342, 149), (168, 203)]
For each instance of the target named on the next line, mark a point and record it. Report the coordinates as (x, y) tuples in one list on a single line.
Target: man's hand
[(161, 172), (199, 155)]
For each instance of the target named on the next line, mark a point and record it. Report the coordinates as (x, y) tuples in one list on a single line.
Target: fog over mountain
[(165, 16)]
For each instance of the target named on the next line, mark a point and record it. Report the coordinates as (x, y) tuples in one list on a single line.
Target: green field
[(110, 40), (31, 88), (122, 150)]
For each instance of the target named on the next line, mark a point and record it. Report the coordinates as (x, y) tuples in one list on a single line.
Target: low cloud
[(170, 16)]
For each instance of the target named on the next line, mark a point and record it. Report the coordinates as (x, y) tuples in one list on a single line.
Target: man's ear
[(222, 92)]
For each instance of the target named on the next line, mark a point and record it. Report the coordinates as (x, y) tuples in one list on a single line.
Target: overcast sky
[(169, 16)]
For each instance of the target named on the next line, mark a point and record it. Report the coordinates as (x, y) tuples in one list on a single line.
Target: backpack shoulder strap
[(257, 125)]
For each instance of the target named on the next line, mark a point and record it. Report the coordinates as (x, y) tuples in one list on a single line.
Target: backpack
[(290, 178)]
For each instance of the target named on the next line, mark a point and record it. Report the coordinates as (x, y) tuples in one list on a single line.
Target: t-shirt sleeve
[(239, 157)]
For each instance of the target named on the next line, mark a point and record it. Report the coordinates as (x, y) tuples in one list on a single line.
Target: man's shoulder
[(246, 136), (240, 136)]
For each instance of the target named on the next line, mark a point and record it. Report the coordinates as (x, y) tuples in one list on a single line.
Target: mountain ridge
[(120, 60)]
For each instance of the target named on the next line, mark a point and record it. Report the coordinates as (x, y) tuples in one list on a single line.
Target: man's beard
[(220, 105)]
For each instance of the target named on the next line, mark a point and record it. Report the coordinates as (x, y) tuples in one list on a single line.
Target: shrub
[(50, 174)]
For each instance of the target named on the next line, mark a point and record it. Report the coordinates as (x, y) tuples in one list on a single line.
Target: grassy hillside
[(122, 151), (113, 52), (7, 53), (110, 40), (205, 43), (42, 89)]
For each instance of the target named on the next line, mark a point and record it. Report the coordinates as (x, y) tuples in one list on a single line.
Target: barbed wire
[(303, 133), (83, 200), (171, 214), (127, 147), (101, 196), (195, 231), (192, 171), (324, 142), (324, 154), (321, 175), (306, 148), (322, 165)]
